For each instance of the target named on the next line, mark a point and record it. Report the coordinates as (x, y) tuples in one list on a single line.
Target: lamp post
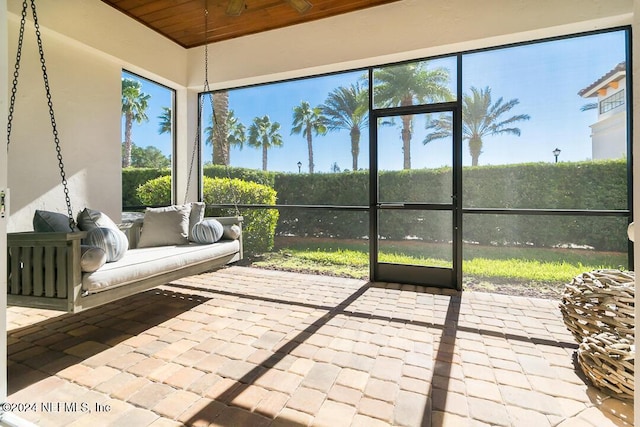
[(299, 166), (556, 153)]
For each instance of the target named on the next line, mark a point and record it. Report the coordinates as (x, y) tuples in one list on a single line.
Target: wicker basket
[(608, 362), (600, 301)]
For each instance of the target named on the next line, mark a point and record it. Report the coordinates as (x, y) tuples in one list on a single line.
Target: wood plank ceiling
[(183, 21)]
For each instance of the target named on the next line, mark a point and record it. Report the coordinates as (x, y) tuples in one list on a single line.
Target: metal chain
[(56, 139), (16, 73), (207, 92), (206, 85)]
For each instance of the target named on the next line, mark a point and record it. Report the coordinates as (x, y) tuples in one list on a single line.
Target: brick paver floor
[(248, 347)]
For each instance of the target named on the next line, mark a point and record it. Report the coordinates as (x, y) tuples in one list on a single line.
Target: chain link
[(16, 72), (45, 77), (207, 92)]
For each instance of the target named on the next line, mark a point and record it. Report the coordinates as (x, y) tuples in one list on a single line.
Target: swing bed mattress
[(142, 263)]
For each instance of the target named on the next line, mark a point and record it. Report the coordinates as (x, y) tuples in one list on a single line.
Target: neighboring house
[(609, 133)]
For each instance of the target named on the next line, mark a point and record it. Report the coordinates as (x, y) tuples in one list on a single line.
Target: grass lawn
[(532, 271)]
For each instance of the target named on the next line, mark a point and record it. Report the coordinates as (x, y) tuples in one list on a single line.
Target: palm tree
[(480, 118), (236, 131), (410, 84), (134, 109), (307, 120), (348, 108), (263, 133), (589, 106), (166, 122), (236, 134)]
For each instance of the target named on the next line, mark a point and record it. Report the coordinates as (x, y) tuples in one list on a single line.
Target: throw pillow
[(46, 221), (231, 232), (197, 215), (113, 242), (165, 226), (207, 231), (89, 219), (91, 258)]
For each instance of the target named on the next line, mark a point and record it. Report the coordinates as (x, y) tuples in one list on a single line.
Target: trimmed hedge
[(580, 185), (566, 185), (132, 178), (259, 224), (245, 174)]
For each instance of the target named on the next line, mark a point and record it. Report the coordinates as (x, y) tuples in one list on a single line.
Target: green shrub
[(132, 178), (155, 192), (259, 224)]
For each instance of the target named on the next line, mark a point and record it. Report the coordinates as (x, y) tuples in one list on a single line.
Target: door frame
[(401, 273)]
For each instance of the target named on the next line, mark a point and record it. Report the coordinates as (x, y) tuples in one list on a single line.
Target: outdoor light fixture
[(299, 166), (556, 153)]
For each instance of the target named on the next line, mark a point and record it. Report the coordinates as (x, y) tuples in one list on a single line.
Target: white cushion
[(148, 262), (91, 258), (231, 232), (165, 226), (207, 231)]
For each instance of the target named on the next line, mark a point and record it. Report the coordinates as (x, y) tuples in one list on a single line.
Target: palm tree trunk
[(310, 148), (355, 147), (406, 140), (128, 124), (220, 142), (264, 157), (475, 149)]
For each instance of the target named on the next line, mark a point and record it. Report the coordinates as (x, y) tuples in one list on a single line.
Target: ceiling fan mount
[(236, 7)]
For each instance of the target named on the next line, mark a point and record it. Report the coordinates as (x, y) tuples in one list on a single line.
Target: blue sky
[(544, 77)]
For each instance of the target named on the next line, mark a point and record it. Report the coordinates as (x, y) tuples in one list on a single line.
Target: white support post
[(4, 112), (186, 124)]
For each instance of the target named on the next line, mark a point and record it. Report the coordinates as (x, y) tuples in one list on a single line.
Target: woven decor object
[(608, 360), (600, 301)]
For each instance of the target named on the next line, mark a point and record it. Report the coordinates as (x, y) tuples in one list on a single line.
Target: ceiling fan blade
[(235, 7), (300, 5)]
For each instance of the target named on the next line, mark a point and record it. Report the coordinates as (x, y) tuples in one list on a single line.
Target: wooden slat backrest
[(41, 264)]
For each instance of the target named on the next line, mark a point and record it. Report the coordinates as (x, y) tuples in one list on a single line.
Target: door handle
[(3, 208)]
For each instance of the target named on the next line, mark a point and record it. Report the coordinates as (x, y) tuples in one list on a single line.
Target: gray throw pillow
[(89, 219), (113, 242), (207, 231), (46, 221), (165, 226), (196, 215)]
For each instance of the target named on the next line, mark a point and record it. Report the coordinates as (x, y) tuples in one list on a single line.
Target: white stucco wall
[(85, 57), (609, 137), (397, 31)]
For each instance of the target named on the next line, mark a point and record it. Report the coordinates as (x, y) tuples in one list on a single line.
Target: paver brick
[(306, 400), (321, 376)]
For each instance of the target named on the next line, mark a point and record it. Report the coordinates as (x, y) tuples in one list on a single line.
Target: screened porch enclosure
[(465, 170)]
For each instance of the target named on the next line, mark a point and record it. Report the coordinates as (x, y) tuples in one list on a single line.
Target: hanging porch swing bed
[(72, 265), (74, 271)]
